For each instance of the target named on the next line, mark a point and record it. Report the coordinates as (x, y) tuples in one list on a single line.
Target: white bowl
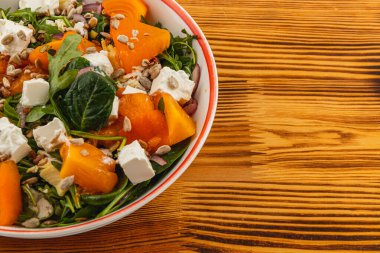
[(175, 18)]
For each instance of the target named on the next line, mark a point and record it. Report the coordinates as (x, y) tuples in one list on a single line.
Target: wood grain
[(293, 161)]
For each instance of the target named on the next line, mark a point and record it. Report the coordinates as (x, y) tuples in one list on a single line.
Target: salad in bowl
[(96, 107)]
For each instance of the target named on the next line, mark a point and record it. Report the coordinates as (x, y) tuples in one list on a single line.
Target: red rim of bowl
[(211, 66)]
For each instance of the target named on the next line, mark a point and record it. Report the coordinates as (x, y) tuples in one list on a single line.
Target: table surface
[(292, 162)]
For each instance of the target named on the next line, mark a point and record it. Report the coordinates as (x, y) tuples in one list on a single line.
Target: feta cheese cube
[(135, 163), (40, 6), (50, 136), (79, 28), (35, 92), (175, 83), (100, 59), (18, 37), (12, 142), (115, 109), (131, 90)]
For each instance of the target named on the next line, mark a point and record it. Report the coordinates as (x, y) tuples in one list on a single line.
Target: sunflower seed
[(145, 63), (79, 9), (122, 38), (77, 141), (14, 72), (49, 222), (10, 68), (93, 22), (105, 35), (117, 73), (4, 157), (163, 150), (44, 48), (127, 126), (21, 35), (31, 223), (69, 8), (131, 45), (143, 144), (27, 71), (6, 82), (32, 28), (145, 82), (7, 39), (115, 23), (173, 83), (24, 54), (33, 39), (90, 50), (135, 33), (5, 92), (84, 152), (118, 16), (71, 13), (42, 162), (155, 71)]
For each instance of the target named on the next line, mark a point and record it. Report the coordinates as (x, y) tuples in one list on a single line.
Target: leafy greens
[(180, 55), (88, 102)]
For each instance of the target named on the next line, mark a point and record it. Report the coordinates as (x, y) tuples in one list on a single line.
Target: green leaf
[(96, 137), (78, 63), (170, 158), (88, 103), (9, 111), (58, 63), (38, 112), (180, 55)]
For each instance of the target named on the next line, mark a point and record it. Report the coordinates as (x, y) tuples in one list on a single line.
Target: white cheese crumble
[(175, 83), (35, 92), (79, 28), (12, 142), (40, 6), (60, 25), (115, 109), (100, 59), (131, 90), (18, 41), (135, 163), (51, 135)]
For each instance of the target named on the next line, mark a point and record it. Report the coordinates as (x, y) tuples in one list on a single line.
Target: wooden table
[(293, 161)]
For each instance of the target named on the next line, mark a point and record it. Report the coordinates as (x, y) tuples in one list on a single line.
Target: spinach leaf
[(78, 63), (88, 102), (38, 112), (175, 153), (68, 51)]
